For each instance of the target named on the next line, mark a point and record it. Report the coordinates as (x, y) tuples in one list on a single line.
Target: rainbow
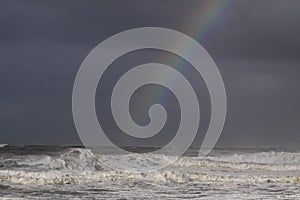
[(200, 20), (198, 23), (204, 16)]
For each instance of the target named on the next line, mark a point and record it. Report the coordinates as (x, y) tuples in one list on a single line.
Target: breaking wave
[(3, 145), (275, 161), (82, 165), (75, 159)]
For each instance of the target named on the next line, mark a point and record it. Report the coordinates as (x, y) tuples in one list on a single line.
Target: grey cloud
[(254, 43)]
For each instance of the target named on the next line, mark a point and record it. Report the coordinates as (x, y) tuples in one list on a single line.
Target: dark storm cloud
[(258, 30), (254, 43), (77, 22)]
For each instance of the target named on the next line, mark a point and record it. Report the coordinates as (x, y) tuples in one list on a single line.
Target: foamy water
[(77, 173)]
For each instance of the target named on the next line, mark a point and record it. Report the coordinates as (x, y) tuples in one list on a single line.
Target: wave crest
[(82, 165)]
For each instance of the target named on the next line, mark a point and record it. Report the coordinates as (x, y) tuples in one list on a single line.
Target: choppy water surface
[(78, 173)]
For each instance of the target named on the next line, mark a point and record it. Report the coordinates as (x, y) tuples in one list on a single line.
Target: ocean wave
[(84, 159), (82, 165), (174, 176), (75, 159), (3, 145), (274, 161), (270, 157)]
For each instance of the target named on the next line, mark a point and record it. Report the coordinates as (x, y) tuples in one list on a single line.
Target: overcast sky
[(255, 45)]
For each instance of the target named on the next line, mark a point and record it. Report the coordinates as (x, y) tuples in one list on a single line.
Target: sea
[(65, 172)]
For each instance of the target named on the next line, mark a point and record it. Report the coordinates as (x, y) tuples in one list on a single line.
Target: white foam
[(201, 163), (3, 145), (271, 157), (84, 159), (176, 176), (75, 159), (81, 165)]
